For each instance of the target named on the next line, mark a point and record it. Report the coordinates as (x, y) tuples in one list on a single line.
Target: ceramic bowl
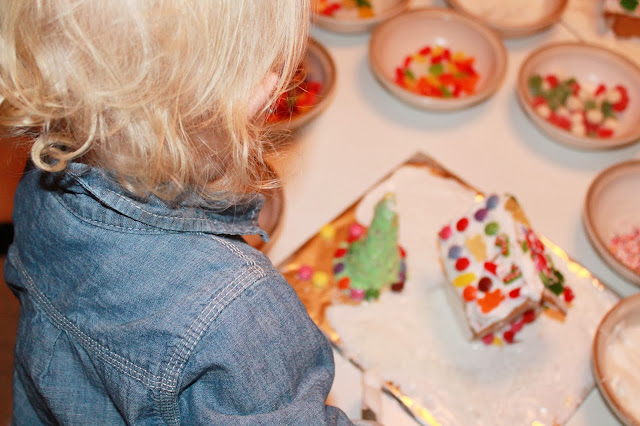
[(616, 355), (393, 40), (349, 21), (612, 208), (269, 219), (319, 67), (591, 66), (513, 18)]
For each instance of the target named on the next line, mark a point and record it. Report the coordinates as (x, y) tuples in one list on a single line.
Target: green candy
[(492, 228)]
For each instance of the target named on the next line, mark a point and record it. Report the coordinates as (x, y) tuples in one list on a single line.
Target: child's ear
[(259, 98)]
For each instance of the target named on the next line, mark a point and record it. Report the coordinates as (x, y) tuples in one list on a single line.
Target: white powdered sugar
[(413, 338)]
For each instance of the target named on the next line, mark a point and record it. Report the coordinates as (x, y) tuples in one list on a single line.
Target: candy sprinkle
[(626, 248)]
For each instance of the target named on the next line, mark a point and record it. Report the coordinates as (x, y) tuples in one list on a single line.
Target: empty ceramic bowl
[(611, 218), (437, 59), (616, 356), (581, 95), (513, 18), (355, 16)]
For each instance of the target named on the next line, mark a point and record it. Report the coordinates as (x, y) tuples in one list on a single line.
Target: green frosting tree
[(374, 261)]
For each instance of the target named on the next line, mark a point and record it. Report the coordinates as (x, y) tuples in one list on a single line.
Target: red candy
[(529, 316), (485, 284), (397, 286), (491, 267), (445, 232), (462, 224), (340, 252), (568, 294), (462, 264), (488, 339), (509, 335), (402, 252), (514, 293)]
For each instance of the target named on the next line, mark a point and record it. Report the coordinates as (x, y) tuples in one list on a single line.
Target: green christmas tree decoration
[(374, 261)]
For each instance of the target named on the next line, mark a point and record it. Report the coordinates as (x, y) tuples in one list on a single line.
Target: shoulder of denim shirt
[(189, 215)]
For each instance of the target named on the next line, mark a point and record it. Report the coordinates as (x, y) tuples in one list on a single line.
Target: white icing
[(412, 338), (530, 285)]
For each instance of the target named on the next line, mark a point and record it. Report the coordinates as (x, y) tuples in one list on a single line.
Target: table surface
[(366, 132)]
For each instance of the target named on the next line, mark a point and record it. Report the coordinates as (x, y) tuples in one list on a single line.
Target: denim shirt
[(133, 312)]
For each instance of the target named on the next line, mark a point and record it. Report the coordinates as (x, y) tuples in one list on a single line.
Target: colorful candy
[(583, 111), (345, 8), (626, 248), (438, 72), (303, 96)]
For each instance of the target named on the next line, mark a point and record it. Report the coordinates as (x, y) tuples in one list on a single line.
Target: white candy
[(610, 123), (563, 112), (613, 96), (578, 129), (574, 103), (594, 116), (577, 117), (543, 111)]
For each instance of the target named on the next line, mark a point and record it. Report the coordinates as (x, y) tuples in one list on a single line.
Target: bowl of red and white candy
[(582, 95)]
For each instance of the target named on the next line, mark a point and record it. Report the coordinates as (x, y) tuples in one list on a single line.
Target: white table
[(366, 132)]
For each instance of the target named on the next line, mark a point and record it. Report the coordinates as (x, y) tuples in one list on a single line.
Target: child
[(140, 303)]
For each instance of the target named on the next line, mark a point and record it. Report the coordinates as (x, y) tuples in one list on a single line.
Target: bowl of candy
[(355, 16), (309, 94), (611, 218), (616, 355), (581, 95), (437, 59), (513, 18)]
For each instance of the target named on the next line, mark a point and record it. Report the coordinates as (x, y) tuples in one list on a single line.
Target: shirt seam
[(197, 329)]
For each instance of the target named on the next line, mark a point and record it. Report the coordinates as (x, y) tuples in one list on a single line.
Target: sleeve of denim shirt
[(262, 361)]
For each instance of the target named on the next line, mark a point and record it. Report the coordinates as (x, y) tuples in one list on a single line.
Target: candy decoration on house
[(371, 260)]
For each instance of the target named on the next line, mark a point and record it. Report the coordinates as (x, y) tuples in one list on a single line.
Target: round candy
[(356, 230), (455, 252), (328, 232), (338, 267), (305, 272), (445, 232), (320, 279), (397, 286), (485, 284), (480, 215), (492, 228), (340, 252), (515, 293), (492, 202), (357, 294), (462, 224), (469, 293), (462, 264), (344, 283)]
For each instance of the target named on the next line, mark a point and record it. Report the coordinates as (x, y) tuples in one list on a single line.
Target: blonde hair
[(155, 91)]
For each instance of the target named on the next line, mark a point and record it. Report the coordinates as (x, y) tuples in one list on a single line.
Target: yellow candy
[(328, 232), (365, 12), (464, 280), (320, 279), (437, 50), (458, 56), (497, 341), (418, 58), (477, 247)]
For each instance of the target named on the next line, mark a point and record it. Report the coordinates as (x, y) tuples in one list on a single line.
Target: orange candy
[(469, 293)]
